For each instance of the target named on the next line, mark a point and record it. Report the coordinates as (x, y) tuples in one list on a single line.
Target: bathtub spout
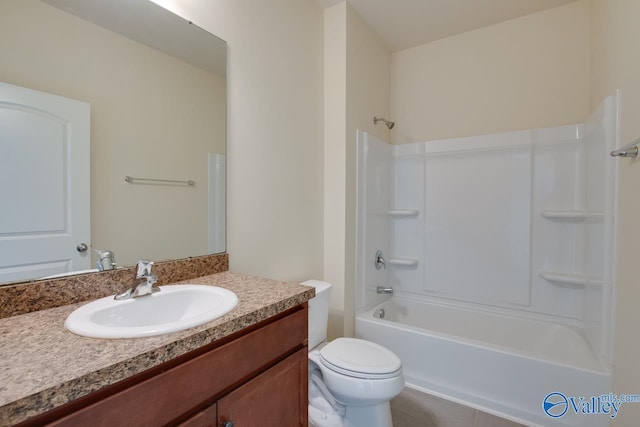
[(383, 290)]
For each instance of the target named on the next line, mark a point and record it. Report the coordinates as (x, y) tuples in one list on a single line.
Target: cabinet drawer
[(166, 397)]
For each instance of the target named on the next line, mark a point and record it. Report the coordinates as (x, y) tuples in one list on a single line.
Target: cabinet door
[(276, 398)]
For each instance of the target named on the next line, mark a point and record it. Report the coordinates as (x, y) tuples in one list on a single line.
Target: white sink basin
[(175, 308)]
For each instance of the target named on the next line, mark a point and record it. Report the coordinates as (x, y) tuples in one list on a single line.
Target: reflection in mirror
[(150, 89)]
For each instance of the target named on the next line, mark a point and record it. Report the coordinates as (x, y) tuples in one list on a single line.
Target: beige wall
[(616, 65), (357, 88), (151, 116), (368, 95), (275, 131), (524, 73), (335, 163)]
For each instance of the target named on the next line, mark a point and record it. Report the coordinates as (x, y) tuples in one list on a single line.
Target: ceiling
[(154, 27), (407, 23)]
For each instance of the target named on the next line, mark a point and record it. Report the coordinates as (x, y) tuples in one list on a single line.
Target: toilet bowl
[(361, 375)]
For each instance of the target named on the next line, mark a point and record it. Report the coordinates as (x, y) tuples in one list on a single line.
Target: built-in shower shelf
[(403, 262), (403, 212), (570, 279), (576, 215)]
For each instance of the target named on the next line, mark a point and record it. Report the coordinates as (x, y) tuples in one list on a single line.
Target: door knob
[(228, 424), (82, 247)]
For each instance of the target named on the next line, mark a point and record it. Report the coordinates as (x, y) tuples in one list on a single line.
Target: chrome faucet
[(384, 290), (106, 260), (141, 289)]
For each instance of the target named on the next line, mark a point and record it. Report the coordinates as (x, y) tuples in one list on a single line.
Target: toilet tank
[(318, 312)]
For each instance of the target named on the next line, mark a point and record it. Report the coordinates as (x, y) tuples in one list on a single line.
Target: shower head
[(389, 123)]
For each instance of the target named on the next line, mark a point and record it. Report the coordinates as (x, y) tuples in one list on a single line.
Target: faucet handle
[(379, 262), (144, 268)]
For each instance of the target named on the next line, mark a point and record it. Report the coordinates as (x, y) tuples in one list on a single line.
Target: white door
[(44, 184)]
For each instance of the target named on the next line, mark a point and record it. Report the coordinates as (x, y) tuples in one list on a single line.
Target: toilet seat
[(360, 359)]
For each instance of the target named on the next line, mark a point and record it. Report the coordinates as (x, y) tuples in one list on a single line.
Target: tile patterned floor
[(416, 409)]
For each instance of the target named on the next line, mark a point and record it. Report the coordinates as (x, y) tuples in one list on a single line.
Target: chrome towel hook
[(629, 150)]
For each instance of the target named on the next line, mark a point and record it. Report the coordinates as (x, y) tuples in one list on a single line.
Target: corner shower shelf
[(403, 262), (403, 212), (570, 279), (571, 214)]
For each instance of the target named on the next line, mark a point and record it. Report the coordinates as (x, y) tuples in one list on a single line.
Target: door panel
[(276, 398), (44, 183)]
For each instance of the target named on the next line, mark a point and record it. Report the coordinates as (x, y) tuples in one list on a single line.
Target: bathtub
[(498, 363)]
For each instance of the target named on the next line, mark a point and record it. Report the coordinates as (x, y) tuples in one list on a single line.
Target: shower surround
[(501, 244)]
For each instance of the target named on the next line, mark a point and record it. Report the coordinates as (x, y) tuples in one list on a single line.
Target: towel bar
[(133, 180)]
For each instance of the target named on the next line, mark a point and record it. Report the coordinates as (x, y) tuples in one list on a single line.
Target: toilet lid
[(359, 358)]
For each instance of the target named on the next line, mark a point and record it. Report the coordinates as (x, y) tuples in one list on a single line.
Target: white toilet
[(361, 375)]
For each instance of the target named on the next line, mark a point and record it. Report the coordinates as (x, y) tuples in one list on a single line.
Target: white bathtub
[(498, 363)]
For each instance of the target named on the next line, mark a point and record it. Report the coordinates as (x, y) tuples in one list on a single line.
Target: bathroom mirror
[(155, 85)]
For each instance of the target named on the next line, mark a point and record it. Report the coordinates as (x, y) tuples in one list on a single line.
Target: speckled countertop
[(45, 366)]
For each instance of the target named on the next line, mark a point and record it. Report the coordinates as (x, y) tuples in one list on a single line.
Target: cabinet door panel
[(269, 400)]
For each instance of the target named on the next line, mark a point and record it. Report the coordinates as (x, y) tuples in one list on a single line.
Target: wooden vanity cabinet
[(255, 377)]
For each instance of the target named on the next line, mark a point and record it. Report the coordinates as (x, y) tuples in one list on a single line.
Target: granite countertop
[(45, 366)]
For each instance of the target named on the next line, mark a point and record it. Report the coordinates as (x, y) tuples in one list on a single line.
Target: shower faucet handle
[(379, 262)]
